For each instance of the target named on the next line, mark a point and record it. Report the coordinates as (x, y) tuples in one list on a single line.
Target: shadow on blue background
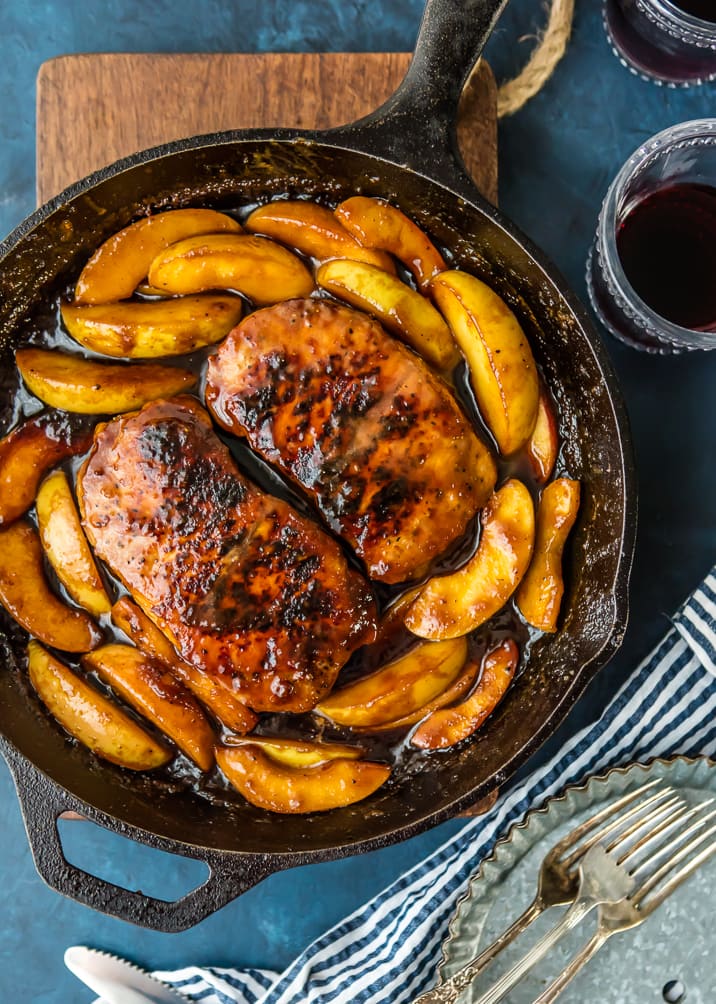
[(557, 157)]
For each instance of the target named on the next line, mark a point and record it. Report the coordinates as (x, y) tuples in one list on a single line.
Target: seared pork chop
[(246, 587), (361, 423)]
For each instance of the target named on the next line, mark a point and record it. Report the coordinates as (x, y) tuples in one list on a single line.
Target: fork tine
[(681, 876), (616, 824), (664, 869), (574, 835), (678, 838), (679, 816), (654, 816)]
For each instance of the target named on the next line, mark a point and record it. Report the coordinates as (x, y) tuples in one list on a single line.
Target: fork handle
[(576, 913), (567, 975), (449, 991)]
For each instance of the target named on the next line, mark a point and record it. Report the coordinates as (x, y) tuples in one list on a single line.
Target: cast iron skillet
[(407, 152)]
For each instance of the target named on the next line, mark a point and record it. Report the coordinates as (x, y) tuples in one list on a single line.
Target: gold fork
[(558, 879), (652, 888), (607, 878)]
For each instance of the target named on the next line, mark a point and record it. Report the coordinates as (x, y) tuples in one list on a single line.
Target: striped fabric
[(388, 950)]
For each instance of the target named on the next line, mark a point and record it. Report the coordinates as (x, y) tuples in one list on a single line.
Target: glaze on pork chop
[(361, 423), (246, 587)]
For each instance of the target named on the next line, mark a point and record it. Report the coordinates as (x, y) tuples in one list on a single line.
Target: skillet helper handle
[(43, 802), (417, 126)]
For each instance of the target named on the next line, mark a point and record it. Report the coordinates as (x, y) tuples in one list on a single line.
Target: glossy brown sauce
[(17, 404)]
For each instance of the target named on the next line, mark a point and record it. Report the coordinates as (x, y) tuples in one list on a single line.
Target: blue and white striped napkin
[(388, 951)]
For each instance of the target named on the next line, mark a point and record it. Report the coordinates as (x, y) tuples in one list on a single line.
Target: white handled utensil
[(118, 981)]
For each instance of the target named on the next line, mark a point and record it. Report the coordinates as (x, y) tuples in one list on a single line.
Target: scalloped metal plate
[(677, 943)]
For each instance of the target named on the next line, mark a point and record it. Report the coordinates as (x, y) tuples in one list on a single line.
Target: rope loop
[(551, 46)]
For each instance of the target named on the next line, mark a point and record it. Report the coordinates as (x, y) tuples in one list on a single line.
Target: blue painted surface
[(556, 159)]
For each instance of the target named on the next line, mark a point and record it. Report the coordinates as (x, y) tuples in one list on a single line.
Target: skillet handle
[(417, 126), (43, 802)]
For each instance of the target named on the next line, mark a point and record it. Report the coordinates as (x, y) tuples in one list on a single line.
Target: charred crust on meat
[(375, 438), (248, 589)]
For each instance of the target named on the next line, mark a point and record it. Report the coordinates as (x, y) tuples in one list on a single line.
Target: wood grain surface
[(93, 109)]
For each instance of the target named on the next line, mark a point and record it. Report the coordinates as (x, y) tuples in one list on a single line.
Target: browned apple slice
[(66, 546), (391, 622), (399, 688), (314, 230), (146, 290), (119, 265), (377, 224), (27, 597), (28, 453), (217, 698), (543, 444), (297, 753), (147, 330), (502, 369), (453, 693), (395, 613), (158, 696), (399, 308), (452, 605), (90, 717), (91, 388), (270, 785), (451, 725), (540, 594), (258, 267)]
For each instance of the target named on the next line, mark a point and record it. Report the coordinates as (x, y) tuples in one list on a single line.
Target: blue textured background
[(556, 159)]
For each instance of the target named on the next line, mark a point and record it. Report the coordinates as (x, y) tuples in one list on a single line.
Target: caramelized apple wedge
[(72, 383), (543, 444), (146, 290), (502, 369), (119, 265), (158, 696), (152, 329), (377, 224), (399, 308), (394, 614), (128, 617), (314, 230), (258, 267), (28, 453), (27, 597), (399, 688), (452, 605), (449, 726), (270, 785), (298, 754), (391, 624), (453, 693), (539, 596), (66, 546), (90, 717)]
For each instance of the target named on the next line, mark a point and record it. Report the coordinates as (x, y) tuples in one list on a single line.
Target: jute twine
[(551, 46)]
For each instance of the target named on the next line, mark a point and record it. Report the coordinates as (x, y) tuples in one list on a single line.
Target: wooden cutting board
[(93, 109)]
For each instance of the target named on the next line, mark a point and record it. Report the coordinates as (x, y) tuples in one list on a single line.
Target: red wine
[(705, 9), (656, 52), (667, 247)]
